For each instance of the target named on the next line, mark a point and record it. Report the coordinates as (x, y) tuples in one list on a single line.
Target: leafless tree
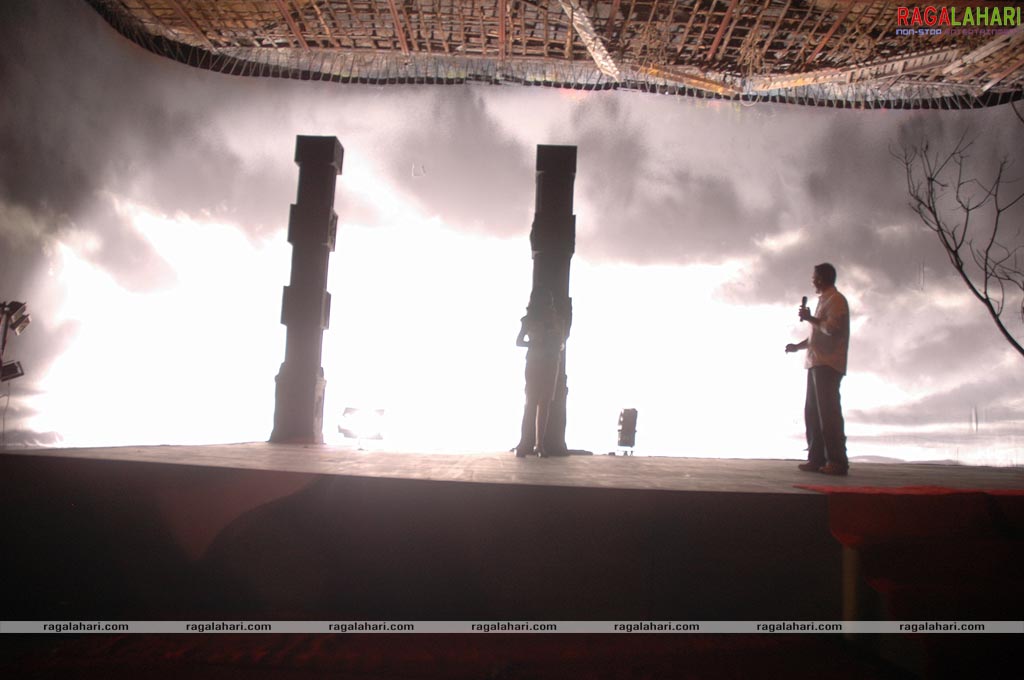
[(973, 221)]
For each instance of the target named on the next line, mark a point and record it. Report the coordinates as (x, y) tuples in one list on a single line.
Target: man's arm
[(833, 317), (521, 340), (798, 346)]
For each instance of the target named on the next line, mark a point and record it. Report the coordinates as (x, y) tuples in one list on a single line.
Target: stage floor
[(599, 471)]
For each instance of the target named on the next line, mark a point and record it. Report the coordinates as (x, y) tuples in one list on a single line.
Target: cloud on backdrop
[(91, 122)]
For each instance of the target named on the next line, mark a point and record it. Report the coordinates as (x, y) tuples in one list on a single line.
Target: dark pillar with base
[(553, 241), (306, 308)]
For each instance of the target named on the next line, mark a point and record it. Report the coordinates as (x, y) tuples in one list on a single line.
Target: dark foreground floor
[(498, 657), (260, 532)]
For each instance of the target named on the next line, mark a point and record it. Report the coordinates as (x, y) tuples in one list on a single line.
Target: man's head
[(824, 277)]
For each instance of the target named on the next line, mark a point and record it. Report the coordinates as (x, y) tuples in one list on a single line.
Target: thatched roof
[(843, 53)]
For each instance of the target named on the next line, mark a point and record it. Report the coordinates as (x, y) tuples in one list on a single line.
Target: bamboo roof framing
[(840, 53)]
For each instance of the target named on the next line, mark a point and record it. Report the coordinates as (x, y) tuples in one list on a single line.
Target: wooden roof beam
[(988, 49), (625, 25), (424, 30), (721, 30), (325, 26), (666, 37), (775, 30), (411, 35), (809, 36), (686, 30), (483, 29), (399, 31), (523, 38), (611, 19), (442, 28), (791, 36), (291, 24), (1014, 66), (831, 32), (502, 35)]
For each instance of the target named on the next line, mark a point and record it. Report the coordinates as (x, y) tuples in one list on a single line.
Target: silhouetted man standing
[(546, 340), (827, 348)]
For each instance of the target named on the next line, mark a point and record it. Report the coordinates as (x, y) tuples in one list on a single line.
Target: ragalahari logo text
[(940, 20)]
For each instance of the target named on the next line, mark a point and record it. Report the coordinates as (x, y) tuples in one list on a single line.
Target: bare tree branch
[(949, 200)]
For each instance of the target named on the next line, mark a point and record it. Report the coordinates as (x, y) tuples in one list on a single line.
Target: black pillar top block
[(311, 149), (558, 159)]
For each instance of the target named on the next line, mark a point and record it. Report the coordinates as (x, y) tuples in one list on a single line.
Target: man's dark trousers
[(823, 417)]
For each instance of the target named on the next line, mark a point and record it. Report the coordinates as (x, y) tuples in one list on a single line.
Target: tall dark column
[(306, 307), (553, 241)]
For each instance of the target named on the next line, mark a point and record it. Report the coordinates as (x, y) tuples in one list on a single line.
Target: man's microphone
[(803, 302)]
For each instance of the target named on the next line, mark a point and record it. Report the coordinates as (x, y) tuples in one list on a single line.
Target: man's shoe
[(835, 469), (809, 467)]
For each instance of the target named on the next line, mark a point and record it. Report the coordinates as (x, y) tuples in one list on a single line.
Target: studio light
[(11, 370), (362, 423), (19, 317), (16, 318)]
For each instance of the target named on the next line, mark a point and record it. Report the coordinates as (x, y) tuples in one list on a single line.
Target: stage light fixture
[(11, 370), (15, 317), (19, 316), (21, 324), (361, 423)]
